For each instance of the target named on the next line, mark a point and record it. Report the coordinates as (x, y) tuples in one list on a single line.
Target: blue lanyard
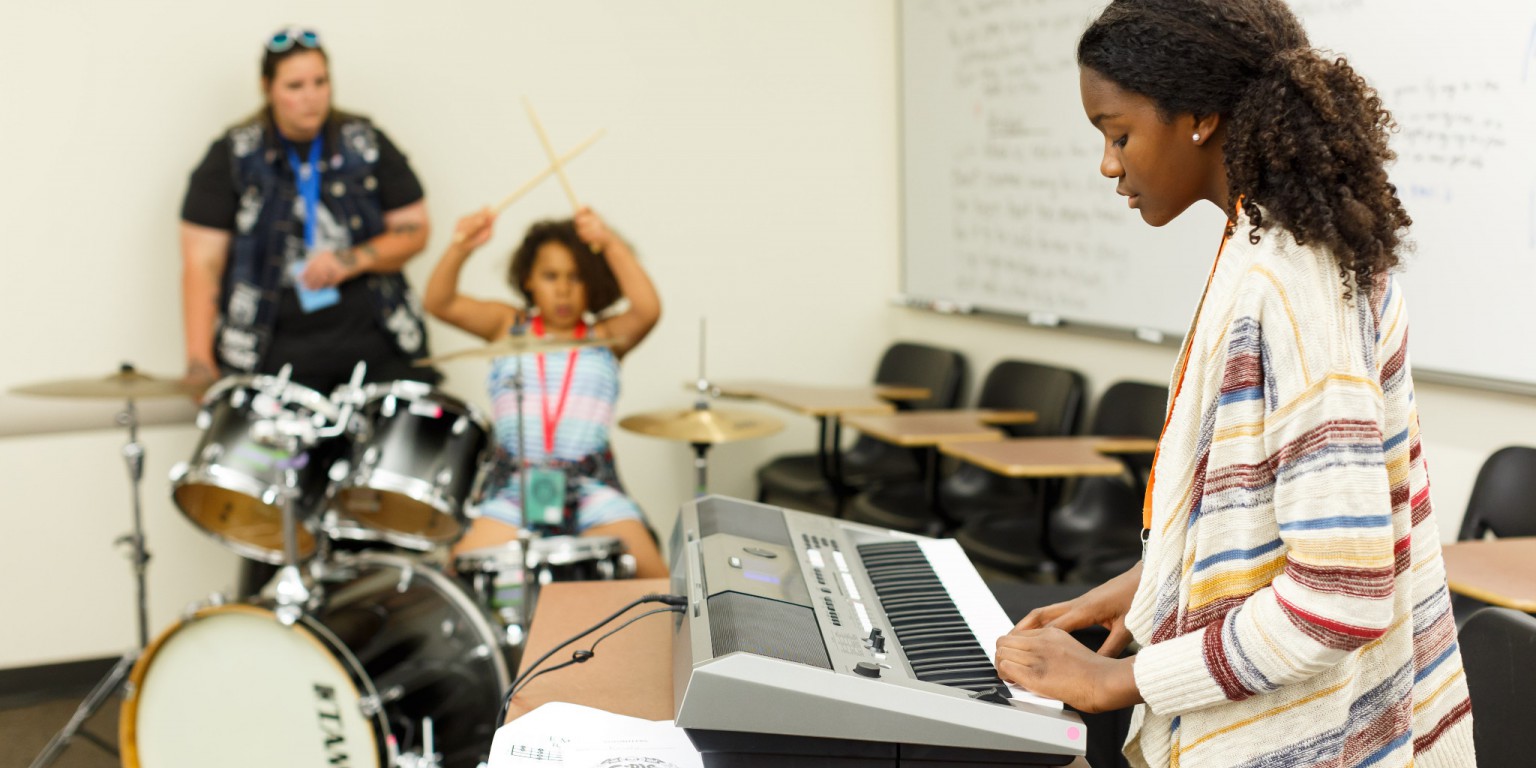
[(307, 178)]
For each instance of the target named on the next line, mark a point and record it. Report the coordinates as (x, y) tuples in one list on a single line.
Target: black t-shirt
[(322, 346)]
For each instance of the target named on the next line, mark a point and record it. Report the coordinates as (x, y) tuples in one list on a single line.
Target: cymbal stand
[(518, 387), (705, 391), (138, 555)]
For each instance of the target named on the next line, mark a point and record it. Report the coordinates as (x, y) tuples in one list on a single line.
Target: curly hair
[(602, 287), (1306, 142)]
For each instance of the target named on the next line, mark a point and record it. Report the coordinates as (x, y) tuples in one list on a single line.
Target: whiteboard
[(1004, 209)]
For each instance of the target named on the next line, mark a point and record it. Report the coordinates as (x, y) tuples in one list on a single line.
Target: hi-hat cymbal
[(703, 425), (517, 345), (126, 384)]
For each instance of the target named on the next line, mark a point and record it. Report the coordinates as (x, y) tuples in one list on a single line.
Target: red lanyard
[(1189, 343), (552, 418)]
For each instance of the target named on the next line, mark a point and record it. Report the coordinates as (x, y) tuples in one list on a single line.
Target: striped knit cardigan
[(1292, 606)]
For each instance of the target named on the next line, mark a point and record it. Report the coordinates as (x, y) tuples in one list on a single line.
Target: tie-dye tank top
[(588, 416)]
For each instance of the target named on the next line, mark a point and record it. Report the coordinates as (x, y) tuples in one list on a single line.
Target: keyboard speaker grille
[(740, 622), (740, 518)]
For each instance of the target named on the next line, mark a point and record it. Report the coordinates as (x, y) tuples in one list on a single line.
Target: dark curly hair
[(1306, 141), (602, 287)]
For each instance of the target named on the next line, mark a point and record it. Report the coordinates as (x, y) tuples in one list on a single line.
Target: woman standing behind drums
[(294, 230), (569, 394)]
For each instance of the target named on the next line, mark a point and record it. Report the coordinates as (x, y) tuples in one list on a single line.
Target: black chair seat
[(1497, 645), (901, 506), (1009, 541)]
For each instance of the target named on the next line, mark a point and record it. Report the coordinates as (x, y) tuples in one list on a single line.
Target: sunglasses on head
[(285, 39)]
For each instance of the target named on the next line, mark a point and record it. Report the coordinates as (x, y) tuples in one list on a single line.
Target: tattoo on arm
[(404, 228), (348, 257)]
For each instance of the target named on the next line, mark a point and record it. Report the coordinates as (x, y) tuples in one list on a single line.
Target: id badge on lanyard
[(546, 486), (546, 496), (306, 177)]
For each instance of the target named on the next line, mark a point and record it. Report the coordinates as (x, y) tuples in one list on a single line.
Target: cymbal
[(517, 345), (703, 425), (127, 384)]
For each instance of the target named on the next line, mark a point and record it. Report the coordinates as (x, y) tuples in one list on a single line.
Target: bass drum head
[(233, 687)]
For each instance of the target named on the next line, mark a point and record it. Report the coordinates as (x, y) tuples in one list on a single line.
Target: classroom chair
[(1096, 534), (1054, 394), (1503, 504), (1497, 645), (799, 479)]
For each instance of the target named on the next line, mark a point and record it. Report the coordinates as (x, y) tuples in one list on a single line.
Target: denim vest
[(265, 225)]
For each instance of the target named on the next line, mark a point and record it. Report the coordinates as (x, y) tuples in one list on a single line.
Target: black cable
[(582, 656), (676, 601)]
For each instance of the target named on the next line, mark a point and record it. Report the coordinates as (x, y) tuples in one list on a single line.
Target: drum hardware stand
[(428, 757), (133, 456), (294, 437)]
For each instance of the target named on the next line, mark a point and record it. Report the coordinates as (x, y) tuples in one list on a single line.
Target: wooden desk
[(632, 671), (822, 401), (1050, 456), (920, 429), (828, 405), (1498, 571)]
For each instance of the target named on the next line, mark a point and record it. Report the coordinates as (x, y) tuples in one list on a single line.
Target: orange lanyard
[(1189, 343)]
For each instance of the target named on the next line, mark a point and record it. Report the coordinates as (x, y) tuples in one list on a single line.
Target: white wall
[(751, 156)]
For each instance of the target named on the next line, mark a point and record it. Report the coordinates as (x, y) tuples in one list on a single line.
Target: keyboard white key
[(977, 605)]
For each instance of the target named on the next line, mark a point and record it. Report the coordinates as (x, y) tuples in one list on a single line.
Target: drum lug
[(515, 636), (204, 419), (178, 471), (407, 574), (340, 470), (444, 479), (211, 452), (216, 599), (459, 425), (627, 566), (370, 706)]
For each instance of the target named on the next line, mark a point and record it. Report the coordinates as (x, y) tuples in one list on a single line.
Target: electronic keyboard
[(810, 637)]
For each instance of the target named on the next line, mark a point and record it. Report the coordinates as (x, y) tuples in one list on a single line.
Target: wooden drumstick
[(553, 169), (549, 149), (528, 185)]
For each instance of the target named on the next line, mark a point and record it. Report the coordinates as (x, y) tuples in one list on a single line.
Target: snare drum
[(497, 576), (348, 684), (415, 463), (233, 486), (578, 558), (505, 578)]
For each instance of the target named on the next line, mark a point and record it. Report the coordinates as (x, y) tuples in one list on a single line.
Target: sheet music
[(976, 603), (573, 736)]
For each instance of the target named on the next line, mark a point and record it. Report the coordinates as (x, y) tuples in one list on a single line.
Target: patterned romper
[(582, 432)]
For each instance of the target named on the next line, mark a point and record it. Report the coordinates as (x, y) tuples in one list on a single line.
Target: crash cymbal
[(703, 425), (126, 384), (517, 345)]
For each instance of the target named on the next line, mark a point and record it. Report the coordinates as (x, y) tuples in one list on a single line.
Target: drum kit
[(372, 645)]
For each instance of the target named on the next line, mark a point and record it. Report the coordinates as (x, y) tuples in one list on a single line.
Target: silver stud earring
[(1197, 138)]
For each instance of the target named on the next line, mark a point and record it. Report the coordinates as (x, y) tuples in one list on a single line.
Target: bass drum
[(351, 683)]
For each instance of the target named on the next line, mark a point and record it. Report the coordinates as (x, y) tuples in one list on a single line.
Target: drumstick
[(549, 150), (546, 173), (528, 185)]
